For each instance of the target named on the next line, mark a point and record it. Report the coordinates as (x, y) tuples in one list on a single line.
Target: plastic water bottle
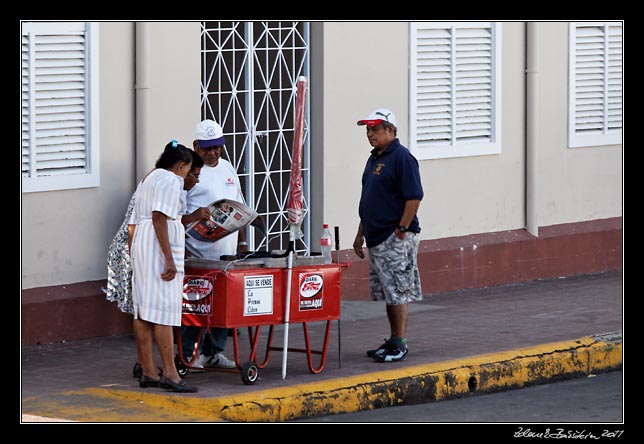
[(325, 244)]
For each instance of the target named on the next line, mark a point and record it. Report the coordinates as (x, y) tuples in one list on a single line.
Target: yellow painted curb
[(428, 382), (421, 383)]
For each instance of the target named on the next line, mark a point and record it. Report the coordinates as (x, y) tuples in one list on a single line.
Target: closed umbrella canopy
[(295, 201), (294, 204)]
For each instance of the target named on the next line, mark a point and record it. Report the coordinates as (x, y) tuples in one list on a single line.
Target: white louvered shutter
[(454, 89), (595, 84), (56, 98)]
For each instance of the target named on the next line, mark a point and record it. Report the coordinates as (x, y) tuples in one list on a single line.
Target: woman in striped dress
[(119, 264), (157, 265)]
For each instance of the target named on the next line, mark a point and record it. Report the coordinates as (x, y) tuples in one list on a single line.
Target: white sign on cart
[(258, 295)]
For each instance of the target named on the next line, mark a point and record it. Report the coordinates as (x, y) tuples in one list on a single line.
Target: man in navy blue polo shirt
[(391, 194)]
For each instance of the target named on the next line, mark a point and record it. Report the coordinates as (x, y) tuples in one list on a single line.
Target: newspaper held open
[(226, 216)]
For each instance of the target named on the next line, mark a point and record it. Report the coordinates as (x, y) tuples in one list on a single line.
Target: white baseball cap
[(377, 117), (209, 133)]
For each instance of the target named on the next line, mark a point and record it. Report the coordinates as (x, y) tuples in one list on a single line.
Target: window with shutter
[(59, 106), (595, 84), (455, 89)]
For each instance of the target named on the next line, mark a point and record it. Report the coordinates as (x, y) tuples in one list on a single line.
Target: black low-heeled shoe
[(137, 370), (146, 381), (180, 387)]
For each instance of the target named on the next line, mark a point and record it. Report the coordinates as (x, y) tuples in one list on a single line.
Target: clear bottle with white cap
[(325, 244)]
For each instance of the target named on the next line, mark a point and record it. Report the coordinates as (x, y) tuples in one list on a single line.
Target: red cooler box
[(315, 293), (256, 296), (233, 298)]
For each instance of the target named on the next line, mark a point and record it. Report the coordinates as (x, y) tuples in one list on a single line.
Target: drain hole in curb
[(472, 383)]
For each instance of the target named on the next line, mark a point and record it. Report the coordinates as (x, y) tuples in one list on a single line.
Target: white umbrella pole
[(287, 309)]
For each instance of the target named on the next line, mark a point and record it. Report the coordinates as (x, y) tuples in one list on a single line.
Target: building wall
[(472, 217), (175, 85), (575, 184), (462, 195), (65, 234), (369, 73), (465, 195), (480, 194)]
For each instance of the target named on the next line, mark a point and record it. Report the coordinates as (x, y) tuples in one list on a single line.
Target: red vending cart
[(252, 294)]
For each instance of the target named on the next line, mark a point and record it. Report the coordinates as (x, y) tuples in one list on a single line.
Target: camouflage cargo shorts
[(393, 270)]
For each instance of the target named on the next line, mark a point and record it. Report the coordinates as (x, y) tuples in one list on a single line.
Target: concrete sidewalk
[(472, 341)]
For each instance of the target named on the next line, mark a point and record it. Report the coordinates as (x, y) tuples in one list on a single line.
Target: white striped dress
[(156, 300)]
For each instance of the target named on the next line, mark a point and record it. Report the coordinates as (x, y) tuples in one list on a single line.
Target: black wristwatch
[(402, 228)]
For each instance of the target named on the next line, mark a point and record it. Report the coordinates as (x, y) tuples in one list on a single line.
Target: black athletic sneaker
[(391, 354), (387, 345)]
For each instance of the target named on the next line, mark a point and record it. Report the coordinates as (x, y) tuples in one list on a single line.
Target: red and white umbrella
[(295, 203)]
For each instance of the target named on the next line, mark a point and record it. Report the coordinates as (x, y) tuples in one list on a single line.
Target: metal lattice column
[(249, 80)]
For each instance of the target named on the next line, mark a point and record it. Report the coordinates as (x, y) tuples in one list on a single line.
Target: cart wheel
[(249, 373), (181, 369)]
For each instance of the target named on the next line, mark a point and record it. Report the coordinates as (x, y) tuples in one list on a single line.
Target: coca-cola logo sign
[(311, 285), (196, 288)]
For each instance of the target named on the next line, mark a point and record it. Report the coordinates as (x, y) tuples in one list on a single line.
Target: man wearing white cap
[(218, 180), (391, 195)]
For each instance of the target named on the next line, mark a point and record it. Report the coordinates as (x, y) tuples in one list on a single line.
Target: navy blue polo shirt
[(388, 181)]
